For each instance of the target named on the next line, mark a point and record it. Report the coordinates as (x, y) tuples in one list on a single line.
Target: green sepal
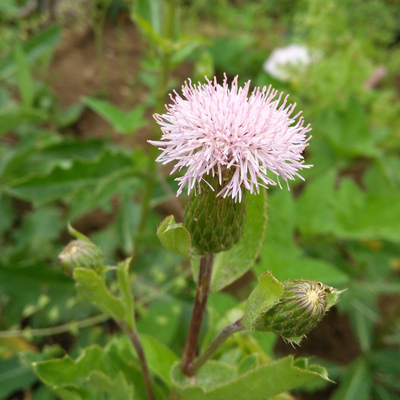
[(174, 237), (268, 291), (78, 235), (93, 288), (218, 380), (215, 222)]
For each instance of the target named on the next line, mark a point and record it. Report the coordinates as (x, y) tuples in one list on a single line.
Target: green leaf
[(281, 254), (217, 380), (121, 121), (96, 370), (154, 37), (25, 82), (94, 289), (263, 297), (69, 115), (82, 175), (174, 237), (348, 132), (13, 116), (43, 42), (162, 320), (14, 376), (315, 208), (367, 215), (128, 219), (306, 268), (232, 264), (159, 357), (117, 387), (80, 236), (356, 384), (43, 153), (126, 292)]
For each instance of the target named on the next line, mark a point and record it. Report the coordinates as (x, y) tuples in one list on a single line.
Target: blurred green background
[(79, 82)]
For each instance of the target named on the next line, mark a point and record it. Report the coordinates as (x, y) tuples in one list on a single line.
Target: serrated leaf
[(62, 182), (265, 294), (93, 289), (174, 237), (232, 264), (213, 381), (123, 122), (95, 370), (118, 387)]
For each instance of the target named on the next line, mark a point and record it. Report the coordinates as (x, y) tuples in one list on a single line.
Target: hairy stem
[(54, 330), (137, 344), (199, 308), (215, 344)]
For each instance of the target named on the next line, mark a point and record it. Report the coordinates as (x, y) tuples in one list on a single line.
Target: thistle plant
[(231, 141), (231, 144)]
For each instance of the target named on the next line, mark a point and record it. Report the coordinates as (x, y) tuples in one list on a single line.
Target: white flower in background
[(284, 62)]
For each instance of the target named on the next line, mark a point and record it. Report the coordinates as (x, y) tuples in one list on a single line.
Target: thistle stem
[(199, 308), (219, 340), (137, 344)]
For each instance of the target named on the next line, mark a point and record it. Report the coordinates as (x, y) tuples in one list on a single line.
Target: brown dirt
[(75, 73)]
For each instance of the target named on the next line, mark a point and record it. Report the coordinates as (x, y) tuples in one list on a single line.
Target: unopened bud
[(301, 307), (80, 254), (215, 223)]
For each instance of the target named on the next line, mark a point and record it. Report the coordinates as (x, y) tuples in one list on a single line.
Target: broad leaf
[(96, 370), (218, 380), (174, 237), (64, 181), (93, 288), (262, 298), (232, 264), (159, 357)]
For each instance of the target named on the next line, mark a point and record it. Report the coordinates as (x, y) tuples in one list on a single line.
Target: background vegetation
[(79, 81)]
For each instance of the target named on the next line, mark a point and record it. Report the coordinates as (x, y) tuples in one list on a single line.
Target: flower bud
[(290, 309), (301, 307), (215, 222), (80, 254)]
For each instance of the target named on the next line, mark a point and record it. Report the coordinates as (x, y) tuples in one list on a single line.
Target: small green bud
[(300, 309), (215, 223), (80, 254)]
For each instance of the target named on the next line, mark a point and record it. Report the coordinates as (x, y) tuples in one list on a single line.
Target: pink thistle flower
[(214, 128)]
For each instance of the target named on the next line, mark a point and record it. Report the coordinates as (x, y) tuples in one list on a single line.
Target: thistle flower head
[(300, 309), (212, 128)]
